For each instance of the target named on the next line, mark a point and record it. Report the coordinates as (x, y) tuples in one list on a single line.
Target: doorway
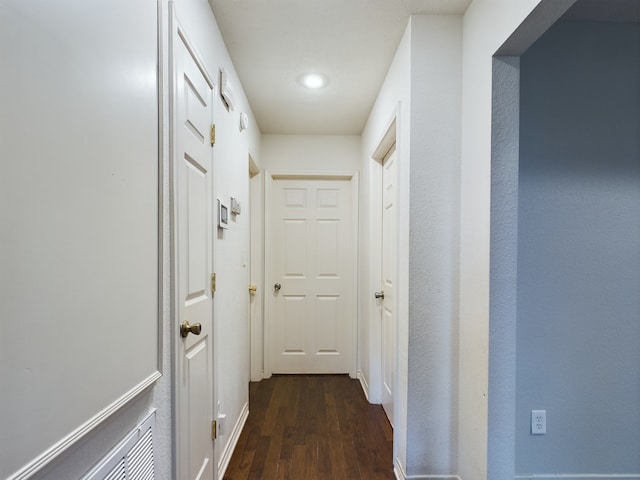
[(310, 273), (256, 290), (387, 296), (567, 183)]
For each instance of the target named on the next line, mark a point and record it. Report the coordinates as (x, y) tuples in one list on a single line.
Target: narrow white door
[(389, 261), (192, 114), (312, 276)]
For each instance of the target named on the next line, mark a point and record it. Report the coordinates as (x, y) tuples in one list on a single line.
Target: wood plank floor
[(304, 427)]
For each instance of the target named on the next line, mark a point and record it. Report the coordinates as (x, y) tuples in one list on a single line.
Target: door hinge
[(214, 429), (212, 134), (213, 283)]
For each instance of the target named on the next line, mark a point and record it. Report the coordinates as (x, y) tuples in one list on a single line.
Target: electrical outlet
[(538, 422)]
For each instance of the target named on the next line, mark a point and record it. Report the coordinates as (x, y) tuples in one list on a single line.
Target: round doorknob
[(186, 329), (379, 294), (277, 287)]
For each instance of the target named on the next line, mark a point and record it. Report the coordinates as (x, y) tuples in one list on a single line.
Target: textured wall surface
[(436, 68), (578, 333), (487, 24)]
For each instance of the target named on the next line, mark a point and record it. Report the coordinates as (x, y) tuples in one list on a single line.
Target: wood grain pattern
[(312, 427)]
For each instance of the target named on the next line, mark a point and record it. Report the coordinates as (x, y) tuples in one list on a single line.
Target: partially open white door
[(192, 95), (389, 268)]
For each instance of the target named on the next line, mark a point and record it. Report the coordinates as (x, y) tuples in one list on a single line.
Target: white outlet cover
[(538, 422)]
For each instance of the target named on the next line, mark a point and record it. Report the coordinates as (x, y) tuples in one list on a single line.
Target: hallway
[(312, 427)]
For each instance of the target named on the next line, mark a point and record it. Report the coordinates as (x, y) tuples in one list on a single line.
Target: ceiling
[(352, 42)]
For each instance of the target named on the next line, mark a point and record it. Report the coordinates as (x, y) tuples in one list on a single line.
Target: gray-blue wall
[(578, 320)]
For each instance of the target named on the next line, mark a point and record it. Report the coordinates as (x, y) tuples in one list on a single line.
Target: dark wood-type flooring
[(312, 427)]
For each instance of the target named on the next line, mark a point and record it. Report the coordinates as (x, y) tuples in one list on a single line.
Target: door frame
[(392, 150), (177, 33), (387, 141), (270, 177), (256, 270)]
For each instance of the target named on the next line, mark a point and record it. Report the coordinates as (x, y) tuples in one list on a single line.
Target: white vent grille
[(118, 473), (140, 459), (131, 459)]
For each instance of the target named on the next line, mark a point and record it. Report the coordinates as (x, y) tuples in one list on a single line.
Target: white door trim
[(270, 176), (256, 273), (372, 310), (389, 137)]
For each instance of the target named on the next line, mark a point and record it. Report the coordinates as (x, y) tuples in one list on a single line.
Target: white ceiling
[(272, 42)]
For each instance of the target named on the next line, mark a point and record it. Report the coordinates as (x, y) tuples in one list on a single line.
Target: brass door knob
[(186, 329), (253, 288)]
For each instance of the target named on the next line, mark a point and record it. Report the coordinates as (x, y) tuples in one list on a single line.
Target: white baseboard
[(579, 476), (400, 474), (363, 384), (233, 441)]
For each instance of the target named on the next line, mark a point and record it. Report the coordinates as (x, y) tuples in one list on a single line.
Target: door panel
[(295, 322), (328, 238), (193, 237), (310, 237), (328, 332), (296, 258), (389, 256)]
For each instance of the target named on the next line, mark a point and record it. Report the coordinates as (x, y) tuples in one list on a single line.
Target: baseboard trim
[(579, 476), (364, 384), (233, 441), (400, 474)]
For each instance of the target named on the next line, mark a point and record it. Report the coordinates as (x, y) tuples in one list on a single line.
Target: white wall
[(311, 152), (231, 247), (578, 334), (487, 24), (486, 424), (102, 127), (80, 201), (423, 88), (436, 67)]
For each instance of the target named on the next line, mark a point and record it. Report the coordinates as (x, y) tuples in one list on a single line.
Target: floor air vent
[(132, 459)]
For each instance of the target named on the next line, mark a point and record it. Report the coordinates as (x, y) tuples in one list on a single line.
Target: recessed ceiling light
[(313, 80)]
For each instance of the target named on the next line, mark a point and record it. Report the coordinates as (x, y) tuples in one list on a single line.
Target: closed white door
[(311, 273), (389, 262), (193, 158)]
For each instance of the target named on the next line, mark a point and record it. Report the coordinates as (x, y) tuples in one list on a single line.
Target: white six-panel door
[(389, 267), (192, 92), (311, 258)]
